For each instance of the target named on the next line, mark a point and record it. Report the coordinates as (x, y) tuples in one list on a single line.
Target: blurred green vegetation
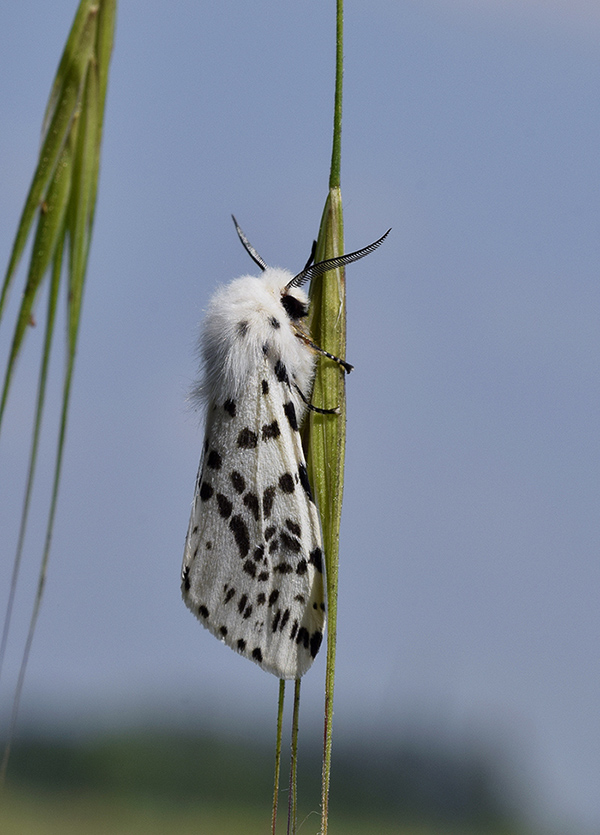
[(164, 782)]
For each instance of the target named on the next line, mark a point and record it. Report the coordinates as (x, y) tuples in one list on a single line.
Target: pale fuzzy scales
[(253, 564)]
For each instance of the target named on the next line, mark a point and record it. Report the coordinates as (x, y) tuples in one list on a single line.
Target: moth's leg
[(345, 365), (316, 409)]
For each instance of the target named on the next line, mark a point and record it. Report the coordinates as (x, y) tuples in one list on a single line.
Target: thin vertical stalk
[(336, 151), (56, 204), (293, 798), (325, 435), (44, 565), (50, 320), (277, 755)]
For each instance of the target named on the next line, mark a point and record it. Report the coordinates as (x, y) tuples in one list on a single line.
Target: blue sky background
[(470, 539)]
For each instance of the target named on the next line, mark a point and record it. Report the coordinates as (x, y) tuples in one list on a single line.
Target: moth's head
[(294, 300), (292, 297), (281, 283), (295, 303)]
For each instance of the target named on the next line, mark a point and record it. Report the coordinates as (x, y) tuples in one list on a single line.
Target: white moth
[(253, 562)]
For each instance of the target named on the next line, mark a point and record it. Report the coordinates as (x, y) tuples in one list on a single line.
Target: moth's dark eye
[(295, 309)]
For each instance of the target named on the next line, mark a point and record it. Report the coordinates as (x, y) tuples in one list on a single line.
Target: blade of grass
[(80, 209), (326, 452), (49, 231), (325, 435), (76, 226), (107, 15), (57, 204), (73, 124), (50, 321), (65, 100), (77, 42)]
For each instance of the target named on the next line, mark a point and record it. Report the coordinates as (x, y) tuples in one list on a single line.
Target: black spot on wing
[(305, 482), (268, 497), (315, 642), (293, 527), (301, 568), (238, 481), (302, 637), (230, 408), (225, 506), (290, 413), (239, 530), (252, 503), (273, 597), (241, 645), (247, 439), (269, 532), (265, 387), (290, 543), (206, 491), (185, 578), (203, 612), (214, 460), (316, 559), (229, 594), (257, 654), (250, 568), (270, 430), (286, 483), (281, 372), (283, 568)]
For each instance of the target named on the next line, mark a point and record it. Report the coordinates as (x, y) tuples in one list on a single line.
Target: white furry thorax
[(245, 322)]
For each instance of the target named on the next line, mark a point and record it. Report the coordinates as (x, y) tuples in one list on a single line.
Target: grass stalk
[(327, 433), (293, 798), (277, 755)]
